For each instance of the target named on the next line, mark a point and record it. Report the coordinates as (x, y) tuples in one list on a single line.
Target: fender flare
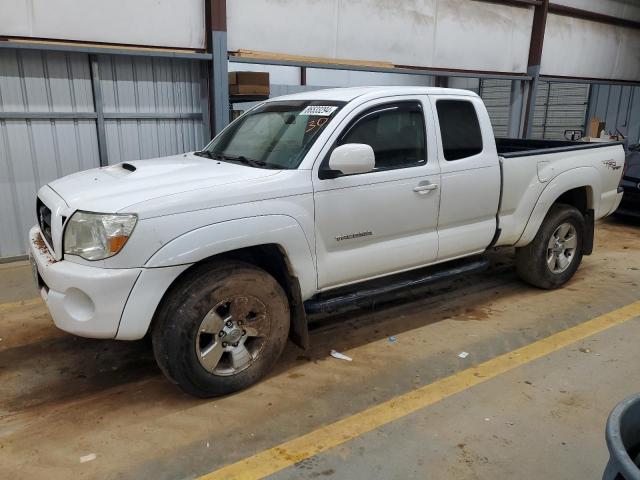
[(575, 178), (226, 236)]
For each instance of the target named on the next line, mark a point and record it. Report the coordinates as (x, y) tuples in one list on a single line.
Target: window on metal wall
[(459, 128)]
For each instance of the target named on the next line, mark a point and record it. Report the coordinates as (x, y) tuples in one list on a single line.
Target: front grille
[(44, 220)]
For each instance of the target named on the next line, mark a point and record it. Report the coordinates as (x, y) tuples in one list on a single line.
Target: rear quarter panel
[(533, 183)]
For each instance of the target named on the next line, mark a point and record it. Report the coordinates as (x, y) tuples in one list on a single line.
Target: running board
[(396, 283)]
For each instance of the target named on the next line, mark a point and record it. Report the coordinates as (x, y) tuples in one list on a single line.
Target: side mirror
[(352, 158)]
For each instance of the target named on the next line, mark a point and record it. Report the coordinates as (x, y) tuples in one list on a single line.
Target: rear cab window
[(459, 128)]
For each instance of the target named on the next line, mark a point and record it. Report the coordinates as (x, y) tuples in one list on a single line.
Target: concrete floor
[(63, 397)]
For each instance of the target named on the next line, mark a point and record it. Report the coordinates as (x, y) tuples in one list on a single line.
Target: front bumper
[(83, 300)]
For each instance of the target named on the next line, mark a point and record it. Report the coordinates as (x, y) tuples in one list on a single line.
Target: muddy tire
[(221, 329), (555, 253)]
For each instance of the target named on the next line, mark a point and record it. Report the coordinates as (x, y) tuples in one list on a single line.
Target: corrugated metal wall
[(34, 151), (619, 107), (496, 95), (161, 97), (559, 107), (152, 107)]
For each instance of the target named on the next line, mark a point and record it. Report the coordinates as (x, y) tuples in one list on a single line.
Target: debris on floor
[(392, 339), (87, 458), (341, 356), (463, 354)]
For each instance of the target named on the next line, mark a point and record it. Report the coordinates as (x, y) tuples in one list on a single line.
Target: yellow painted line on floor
[(288, 453), (20, 304)]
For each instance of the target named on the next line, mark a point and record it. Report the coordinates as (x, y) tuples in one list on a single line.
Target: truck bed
[(519, 147), (529, 167)]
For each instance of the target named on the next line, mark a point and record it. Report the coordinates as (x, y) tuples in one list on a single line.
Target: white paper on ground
[(87, 458), (341, 356)]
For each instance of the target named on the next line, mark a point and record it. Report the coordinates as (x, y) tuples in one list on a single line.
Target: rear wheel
[(555, 253), (221, 329)]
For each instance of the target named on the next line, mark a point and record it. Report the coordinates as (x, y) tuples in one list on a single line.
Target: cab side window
[(396, 132), (459, 128)]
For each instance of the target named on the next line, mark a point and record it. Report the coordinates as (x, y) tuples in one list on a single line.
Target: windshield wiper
[(236, 158), (204, 153), (242, 159)]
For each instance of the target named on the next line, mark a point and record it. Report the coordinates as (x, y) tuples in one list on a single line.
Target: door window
[(396, 132), (459, 128)]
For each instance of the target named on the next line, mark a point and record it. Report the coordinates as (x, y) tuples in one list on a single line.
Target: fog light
[(78, 305)]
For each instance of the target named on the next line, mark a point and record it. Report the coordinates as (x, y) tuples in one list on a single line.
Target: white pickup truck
[(305, 203)]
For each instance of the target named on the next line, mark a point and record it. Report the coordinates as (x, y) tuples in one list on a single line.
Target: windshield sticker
[(312, 124), (318, 110)]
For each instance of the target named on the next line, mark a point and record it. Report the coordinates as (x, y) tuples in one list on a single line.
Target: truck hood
[(114, 188)]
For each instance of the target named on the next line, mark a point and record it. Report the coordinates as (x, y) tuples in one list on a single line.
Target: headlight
[(94, 236)]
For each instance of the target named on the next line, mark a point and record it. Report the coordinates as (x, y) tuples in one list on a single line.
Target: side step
[(387, 285)]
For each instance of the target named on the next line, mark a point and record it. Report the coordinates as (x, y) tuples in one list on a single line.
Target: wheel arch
[(273, 259), (274, 243), (577, 187)]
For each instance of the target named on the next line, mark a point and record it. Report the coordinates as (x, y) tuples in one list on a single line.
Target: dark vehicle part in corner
[(630, 205)]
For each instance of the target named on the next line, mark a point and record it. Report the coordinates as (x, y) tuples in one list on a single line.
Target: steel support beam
[(533, 64), (204, 103), (303, 75), (94, 115), (515, 109), (546, 111), (216, 18), (99, 108), (587, 80), (530, 104), (153, 116), (219, 81), (594, 90), (48, 115), (440, 81), (592, 16), (514, 3)]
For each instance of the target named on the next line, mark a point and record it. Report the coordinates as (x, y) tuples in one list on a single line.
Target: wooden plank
[(304, 59)]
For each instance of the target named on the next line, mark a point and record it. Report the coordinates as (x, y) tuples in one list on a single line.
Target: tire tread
[(531, 259)]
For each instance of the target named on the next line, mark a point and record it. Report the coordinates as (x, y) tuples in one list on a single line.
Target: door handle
[(425, 188)]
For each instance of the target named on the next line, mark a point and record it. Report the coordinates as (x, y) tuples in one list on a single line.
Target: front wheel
[(555, 253), (221, 329)]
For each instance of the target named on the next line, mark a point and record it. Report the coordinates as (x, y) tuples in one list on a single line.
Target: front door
[(384, 221)]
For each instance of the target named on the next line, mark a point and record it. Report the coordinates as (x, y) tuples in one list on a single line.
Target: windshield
[(273, 135)]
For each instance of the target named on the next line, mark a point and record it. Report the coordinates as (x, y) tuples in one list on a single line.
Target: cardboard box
[(249, 78), (595, 127), (248, 83), (248, 90)]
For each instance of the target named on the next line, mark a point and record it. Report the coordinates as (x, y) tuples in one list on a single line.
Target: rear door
[(385, 220), (470, 175)]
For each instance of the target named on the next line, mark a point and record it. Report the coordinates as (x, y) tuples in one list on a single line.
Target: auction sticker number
[(318, 111)]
